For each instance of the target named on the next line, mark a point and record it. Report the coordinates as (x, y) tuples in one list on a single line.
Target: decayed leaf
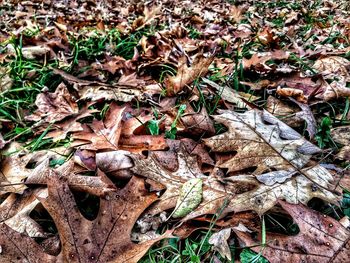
[(54, 106), (15, 210), (189, 198), (219, 240), (321, 239), (186, 75), (105, 239), (261, 141)]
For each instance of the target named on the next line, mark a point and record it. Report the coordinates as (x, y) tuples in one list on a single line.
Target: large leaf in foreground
[(105, 239)]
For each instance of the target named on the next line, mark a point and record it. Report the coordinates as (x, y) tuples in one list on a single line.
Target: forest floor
[(174, 131)]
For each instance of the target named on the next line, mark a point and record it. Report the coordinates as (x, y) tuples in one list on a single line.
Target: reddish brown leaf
[(321, 239), (105, 239)]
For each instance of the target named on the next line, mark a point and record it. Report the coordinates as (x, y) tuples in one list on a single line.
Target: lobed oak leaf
[(105, 239), (321, 239), (261, 141)]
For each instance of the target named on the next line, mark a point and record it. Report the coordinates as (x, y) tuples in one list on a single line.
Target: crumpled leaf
[(189, 198), (105, 239), (261, 141), (321, 239), (55, 106), (219, 241), (186, 75)]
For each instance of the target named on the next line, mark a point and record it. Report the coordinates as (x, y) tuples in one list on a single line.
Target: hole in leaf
[(325, 208), (87, 204), (281, 223)]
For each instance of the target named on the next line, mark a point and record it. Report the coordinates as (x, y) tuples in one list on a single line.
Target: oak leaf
[(105, 239), (261, 141), (15, 210), (321, 239)]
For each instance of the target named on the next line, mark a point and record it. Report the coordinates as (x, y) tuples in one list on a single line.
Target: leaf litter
[(156, 131)]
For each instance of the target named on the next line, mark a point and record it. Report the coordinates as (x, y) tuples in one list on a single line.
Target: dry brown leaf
[(219, 242), (333, 66), (95, 90), (55, 106), (291, 115), (91, 184), (29, 52), (103, 135), (5, 79), (321, 239), (105, 239), (341, 135), (214, 194), (186, 75), (15, 210), (258, 60), (262, 141), (197, 123), (113, 161)]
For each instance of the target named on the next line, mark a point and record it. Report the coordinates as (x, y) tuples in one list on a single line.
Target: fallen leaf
[(105, 239), (55, 106), (29, 52), (186, 75), (219, 241), (5, 79), (333, 66), (261, 141), (113, 161), (189, 198), (15, 210), (97, 185), (341, 135), (321, 239)]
